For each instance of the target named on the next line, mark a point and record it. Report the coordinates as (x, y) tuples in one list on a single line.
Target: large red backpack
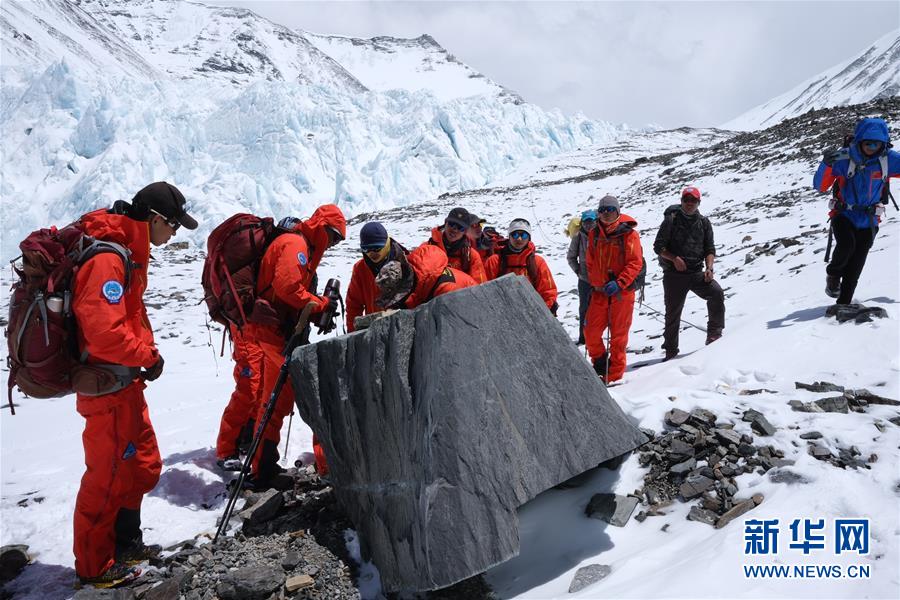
[(41, 333), (234, 251)]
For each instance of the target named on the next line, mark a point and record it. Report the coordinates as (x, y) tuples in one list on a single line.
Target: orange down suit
[(612, 248), (243, 403), (429, 263), (518, 263), (362, 292), (120, 453), (285, 274), (475, 269)]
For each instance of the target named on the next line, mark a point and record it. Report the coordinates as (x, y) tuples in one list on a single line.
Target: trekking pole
[(894, 202), (298, 338), (612, 277), (681, 320), (830, 237), (287, 439)]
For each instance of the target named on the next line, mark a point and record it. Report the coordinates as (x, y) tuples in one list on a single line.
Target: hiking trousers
[(242, 406), (675, 289), (850, 252), (613, 312), (584, 300), (265, 461), (122, 464)]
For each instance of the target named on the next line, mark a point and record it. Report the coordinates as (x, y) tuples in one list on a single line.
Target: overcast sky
[(668, 63)]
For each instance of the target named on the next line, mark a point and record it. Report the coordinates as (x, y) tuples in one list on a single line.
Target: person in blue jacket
[(861, 172)]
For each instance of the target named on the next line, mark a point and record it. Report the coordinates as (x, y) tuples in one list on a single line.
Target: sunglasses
[(368, 249), (607, 209), (520, 235), (456, 226), (689, 200), (170, 222), (589, 220), (871, 144)]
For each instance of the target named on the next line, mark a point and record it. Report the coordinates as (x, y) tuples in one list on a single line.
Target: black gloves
[(831, 155), (153, 373)]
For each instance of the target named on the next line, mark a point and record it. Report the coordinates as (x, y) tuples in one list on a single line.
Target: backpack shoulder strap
[(95, 247), (445, 277), (531, 269), (504, 263)]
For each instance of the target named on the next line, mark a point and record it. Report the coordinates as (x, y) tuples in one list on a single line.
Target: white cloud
[(671, 63)]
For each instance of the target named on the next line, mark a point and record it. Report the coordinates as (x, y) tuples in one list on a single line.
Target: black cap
[(460, 216), (476, 220), (165, 199)]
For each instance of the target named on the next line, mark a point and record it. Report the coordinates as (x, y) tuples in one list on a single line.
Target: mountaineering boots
[(115, 576), (712, 337), (832, 286), (670, 354), (138, 553), (600, 364)]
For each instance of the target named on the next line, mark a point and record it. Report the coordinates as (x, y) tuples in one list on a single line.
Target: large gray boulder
[(439, 422)]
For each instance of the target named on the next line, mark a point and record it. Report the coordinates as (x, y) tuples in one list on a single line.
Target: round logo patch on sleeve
[(302, 258), (112, 291)]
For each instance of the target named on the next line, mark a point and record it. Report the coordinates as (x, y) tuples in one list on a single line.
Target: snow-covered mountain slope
[(242, 114), (387, 63), (875, 73), (770, 229)]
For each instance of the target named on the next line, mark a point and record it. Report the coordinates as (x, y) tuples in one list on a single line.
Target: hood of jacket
[(428, 263), (313, 229), (869, 129), (119, 229)]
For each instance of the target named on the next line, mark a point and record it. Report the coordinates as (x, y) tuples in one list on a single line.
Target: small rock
[(761, 426), (701, 515), (676, 417), (757, 499), (810, 435), (612, 508), (290, 561), (694, 486), (683, 467), (702, 417), (873, 458), (252, 582), (13, 559), (836, 404), (588, 575), (819, 452), (298, 582), (819, 387), (746, 450), (786, 476), (680, 450), (178, 246), (264, 509), (870, 398), (736, 511), (727, 436)]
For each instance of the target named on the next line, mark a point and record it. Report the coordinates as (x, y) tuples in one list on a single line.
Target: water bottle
[(55, 304)]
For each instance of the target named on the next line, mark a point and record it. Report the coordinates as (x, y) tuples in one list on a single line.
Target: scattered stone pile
[(849, 400), (699, 457)]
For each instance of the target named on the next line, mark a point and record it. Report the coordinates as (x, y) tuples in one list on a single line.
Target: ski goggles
[(456, 226), (607, 209), (520, 235), (372, 248), (872, 145), (170, 222)]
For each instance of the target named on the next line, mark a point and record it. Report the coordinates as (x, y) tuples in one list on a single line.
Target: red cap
[(691, 191)]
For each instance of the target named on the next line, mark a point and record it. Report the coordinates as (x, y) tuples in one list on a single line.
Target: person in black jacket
[(687, 252)]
